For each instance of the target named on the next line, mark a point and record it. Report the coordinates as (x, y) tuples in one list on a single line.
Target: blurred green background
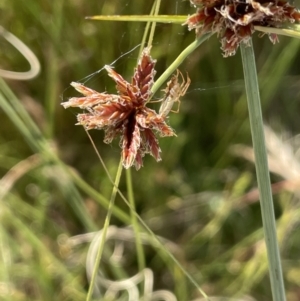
[(202, 196)]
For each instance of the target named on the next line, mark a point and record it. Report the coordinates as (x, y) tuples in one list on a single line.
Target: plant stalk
[(135, 224), (104, 233), (262, 172), (179, 60)]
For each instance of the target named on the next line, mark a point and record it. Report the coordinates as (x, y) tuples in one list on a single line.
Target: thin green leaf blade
[(140, 18), (290, 32)]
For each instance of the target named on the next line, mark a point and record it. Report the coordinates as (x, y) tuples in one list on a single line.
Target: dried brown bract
[(234, 20), (125, 114)]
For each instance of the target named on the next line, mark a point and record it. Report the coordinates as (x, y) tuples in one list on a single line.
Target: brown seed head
[(234, 20), (125, 114)]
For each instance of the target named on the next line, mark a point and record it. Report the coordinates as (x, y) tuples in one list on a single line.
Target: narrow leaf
[(141, 18), (294, 33)]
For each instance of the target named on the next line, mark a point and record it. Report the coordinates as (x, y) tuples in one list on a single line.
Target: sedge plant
[(234, 22), (70, 181)]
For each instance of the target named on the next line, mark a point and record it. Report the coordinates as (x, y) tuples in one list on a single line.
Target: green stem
[(179, 60), (99, 198), (104, 233), (146, 31), (262, 171), (135, 224), (156, 10)]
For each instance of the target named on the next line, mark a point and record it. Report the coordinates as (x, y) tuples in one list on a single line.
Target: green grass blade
[(294, 33), (262, 171), (141, 18)]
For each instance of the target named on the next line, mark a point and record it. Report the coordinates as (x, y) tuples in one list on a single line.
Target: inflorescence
[(126, 115), (234, 20)]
